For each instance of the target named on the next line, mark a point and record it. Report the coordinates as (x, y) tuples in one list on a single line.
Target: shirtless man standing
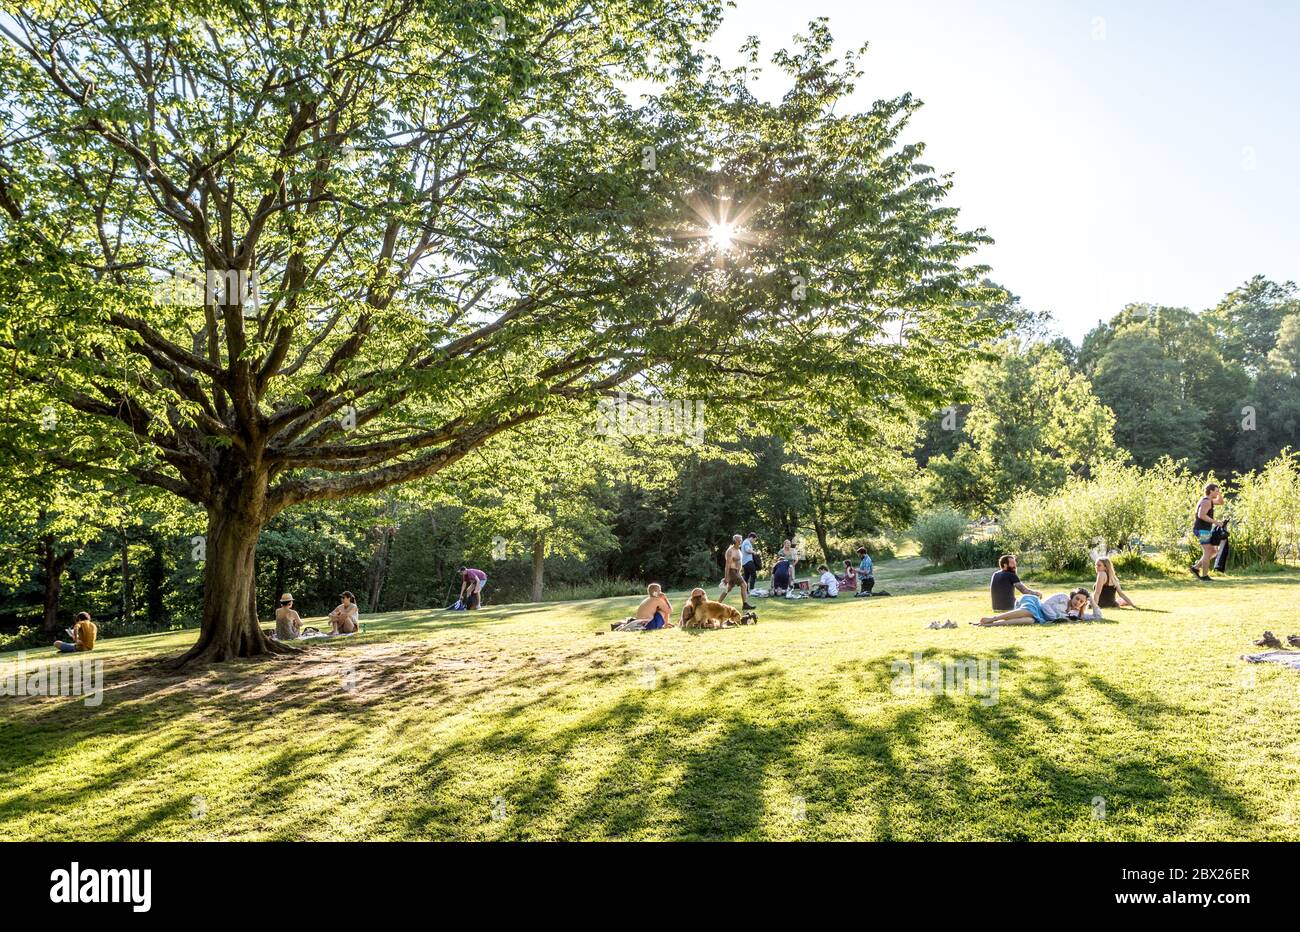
[(734, 575), (345, 618), (655, 609)]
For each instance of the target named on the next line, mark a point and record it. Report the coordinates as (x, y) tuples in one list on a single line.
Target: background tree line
[(547, 517)]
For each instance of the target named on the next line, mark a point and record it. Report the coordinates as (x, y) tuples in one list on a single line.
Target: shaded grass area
[(536, 722)]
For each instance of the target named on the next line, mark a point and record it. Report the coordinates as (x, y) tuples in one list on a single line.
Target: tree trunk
[(126, 576), (379, 570), (155, 580), (539, 560), (230, 626), (820, 528), (53, 564)]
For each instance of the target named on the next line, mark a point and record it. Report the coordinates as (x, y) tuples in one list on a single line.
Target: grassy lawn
[(524, 722)]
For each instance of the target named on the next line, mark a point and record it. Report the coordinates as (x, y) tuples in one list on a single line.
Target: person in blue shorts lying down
[(1075, 605)]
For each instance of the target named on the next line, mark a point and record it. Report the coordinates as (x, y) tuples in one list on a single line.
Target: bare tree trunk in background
[(539, 561), (126, 576), (820, 528), (53, 563), (379, 569)]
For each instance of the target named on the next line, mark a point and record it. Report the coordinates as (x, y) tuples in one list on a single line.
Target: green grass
[(524, 722)]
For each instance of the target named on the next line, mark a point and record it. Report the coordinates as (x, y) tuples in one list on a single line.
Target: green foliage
[(1033, 423), (939, 532), (1120, 508), (1265, 513)]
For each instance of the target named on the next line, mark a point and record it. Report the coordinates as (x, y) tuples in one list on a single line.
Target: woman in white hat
[(287, 623)]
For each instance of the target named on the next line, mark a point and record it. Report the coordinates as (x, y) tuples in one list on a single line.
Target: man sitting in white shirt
[(828, 587)]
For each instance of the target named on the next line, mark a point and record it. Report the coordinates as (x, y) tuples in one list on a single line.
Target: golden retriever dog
[(702, 612)]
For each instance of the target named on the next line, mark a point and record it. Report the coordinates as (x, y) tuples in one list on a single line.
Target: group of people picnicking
[(345, 619), (742, 563), (1034, 608)]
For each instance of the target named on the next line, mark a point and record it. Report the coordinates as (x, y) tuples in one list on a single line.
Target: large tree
[(418, 226), (1033, 422)]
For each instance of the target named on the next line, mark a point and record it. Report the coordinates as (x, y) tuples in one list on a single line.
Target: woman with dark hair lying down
[(1075, 605)]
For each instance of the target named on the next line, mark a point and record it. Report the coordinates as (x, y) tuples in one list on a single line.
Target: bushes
[(1120, 508), (1051, 527), (940, 533), (1265, 512)]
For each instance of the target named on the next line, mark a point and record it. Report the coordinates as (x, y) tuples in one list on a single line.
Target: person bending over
[(1106, 591), (1005, 583), (1075, 605), (828, 587), (781, 577), (84, 631), (288, 623), (346, 619), (733, 574), (472, 584), (655, 609)]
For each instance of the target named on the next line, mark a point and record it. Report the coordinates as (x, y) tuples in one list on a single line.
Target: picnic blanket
[(1288, 658), (632, 624)]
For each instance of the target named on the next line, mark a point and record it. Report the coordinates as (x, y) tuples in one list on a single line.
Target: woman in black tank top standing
[(1203, 527)]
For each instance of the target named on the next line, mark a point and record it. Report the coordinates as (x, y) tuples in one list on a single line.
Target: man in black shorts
[(1005, 583)]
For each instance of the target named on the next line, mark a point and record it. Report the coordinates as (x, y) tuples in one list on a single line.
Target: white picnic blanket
[(1288, 658)]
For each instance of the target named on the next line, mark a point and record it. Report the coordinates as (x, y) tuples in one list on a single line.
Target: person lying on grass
[(654, 609), (1106, 591), (345, 619), (1075, 605), (83, 631), (288, 623)]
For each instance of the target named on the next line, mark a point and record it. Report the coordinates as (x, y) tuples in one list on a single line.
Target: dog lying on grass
[(702, 612)]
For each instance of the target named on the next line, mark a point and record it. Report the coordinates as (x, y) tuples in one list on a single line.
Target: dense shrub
[(1265, 513), (974, 554), (940, 532), (1120, 508), (1123, 508)]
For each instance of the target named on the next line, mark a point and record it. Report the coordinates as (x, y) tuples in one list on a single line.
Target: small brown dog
[(702, 612)]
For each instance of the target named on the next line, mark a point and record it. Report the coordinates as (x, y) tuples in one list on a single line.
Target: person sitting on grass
[(83, 633), (1005, 583), (866, 573), (655, 609), (1106, 591), (288, 623), (346, 618), (1075, 605), (849, 580), (828, 587)]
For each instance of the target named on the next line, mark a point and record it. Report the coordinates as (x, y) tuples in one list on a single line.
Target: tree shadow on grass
[(733, 750), (867, 764)]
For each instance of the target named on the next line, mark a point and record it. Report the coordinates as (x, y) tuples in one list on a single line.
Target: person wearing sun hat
[(288, 624)]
